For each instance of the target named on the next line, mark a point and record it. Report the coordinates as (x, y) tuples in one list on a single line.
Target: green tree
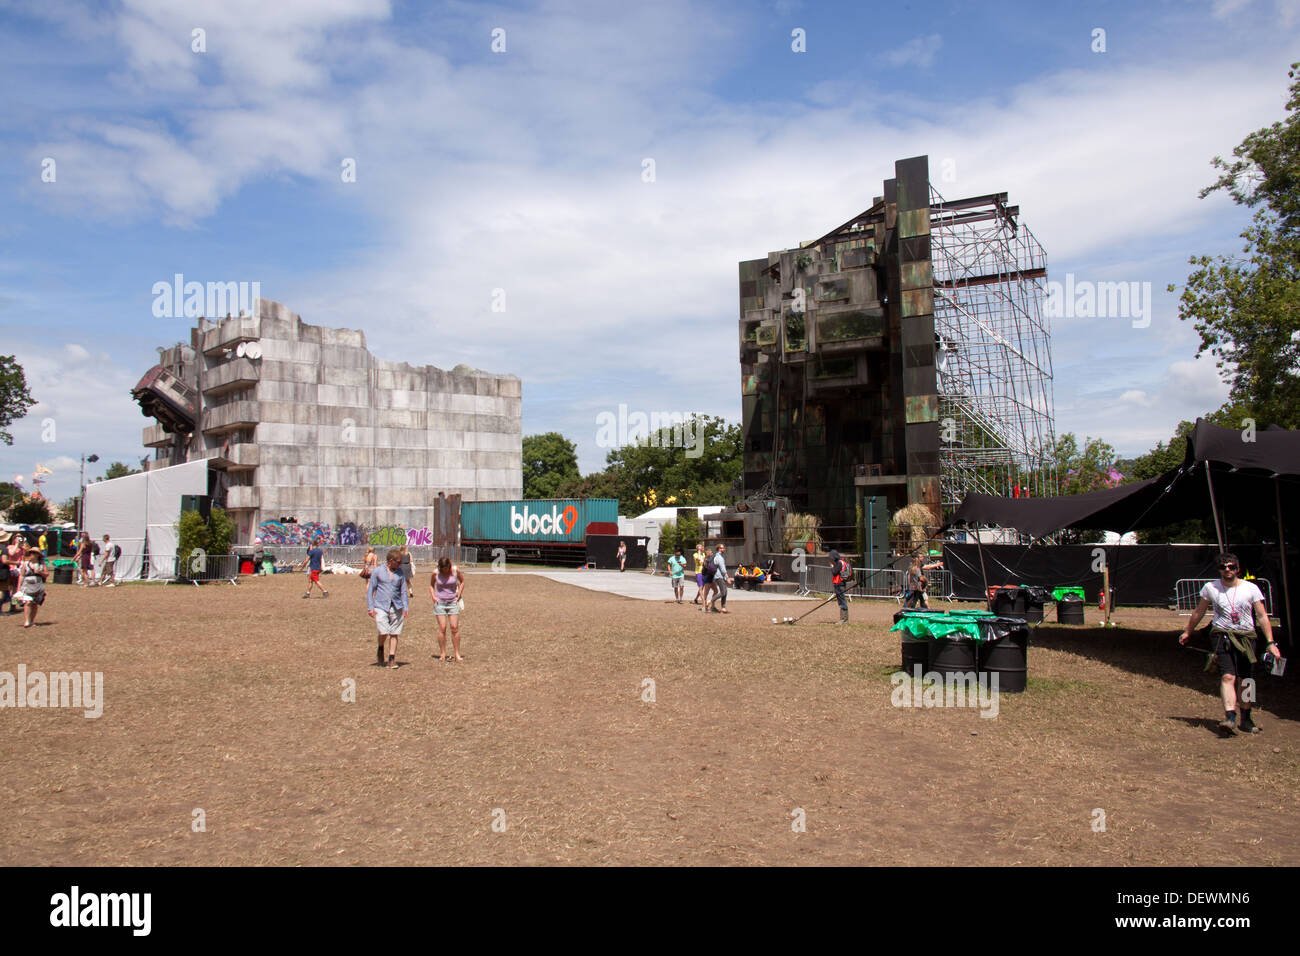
[(1247, 308), (192, 536), (688, 530), (10, 494), (667, 537), (221, 531), (693, 464), (550, 460), (118, 470), (31, 511), (67, 511), (15, 400), (1081, 470)]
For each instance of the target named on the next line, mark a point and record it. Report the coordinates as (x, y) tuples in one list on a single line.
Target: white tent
[(142, 506)]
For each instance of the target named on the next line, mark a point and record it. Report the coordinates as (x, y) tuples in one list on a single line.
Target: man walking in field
[(314, 559), (676, 571), (111, 552), (1238, 605), (386, 603)]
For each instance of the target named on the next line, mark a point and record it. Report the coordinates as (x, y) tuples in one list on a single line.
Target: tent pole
[(979, 546), (1214, 510), (1281, 540)]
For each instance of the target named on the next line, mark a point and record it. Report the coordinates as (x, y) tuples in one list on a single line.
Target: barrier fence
[(214, 567), (882, 583), (1187, 593)]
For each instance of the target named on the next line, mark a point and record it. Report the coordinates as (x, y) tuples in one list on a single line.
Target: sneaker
[(324, 593), (1229, 724), (1248, 726), (307, 595)]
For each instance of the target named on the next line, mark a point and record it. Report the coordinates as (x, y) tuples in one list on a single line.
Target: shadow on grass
[(1157, 653)]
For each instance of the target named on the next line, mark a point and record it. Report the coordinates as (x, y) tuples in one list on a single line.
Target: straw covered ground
[(763, 744)]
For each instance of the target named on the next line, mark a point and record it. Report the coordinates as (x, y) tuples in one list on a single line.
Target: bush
[(667, 537), (212, 537), (192, 534), (221, 532), (31, 511)]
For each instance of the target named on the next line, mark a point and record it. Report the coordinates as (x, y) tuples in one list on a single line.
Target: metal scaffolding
[(993, 351)]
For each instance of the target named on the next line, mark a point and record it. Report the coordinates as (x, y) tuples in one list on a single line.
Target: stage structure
[(904, 357), (993, 351)]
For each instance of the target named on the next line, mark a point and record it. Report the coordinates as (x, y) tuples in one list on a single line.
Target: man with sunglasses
[(1237, 606)]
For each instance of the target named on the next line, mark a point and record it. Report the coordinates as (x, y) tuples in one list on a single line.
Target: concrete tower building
[(302, 422)]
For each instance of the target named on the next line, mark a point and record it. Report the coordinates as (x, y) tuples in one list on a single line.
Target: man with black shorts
[(1238, 605)]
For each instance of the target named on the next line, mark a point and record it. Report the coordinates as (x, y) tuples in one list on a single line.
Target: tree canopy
[(15, 400), (549, 461), (1247, 308), (118, 470), (696, 463)]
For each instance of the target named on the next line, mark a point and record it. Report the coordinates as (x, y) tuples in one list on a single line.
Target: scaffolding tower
[(993, 351)]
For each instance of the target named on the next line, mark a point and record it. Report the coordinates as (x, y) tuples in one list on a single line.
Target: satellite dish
[(253, 350), (239, 350)]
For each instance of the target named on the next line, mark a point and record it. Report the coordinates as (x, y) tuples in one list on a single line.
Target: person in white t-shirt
[(1238, 605)]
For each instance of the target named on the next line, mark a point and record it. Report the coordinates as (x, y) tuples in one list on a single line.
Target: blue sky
[(522, 171)]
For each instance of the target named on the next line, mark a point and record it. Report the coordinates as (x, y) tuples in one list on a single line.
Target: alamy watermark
[(933, 689), (655, 430), (1085, 299), (180, 299), (79, 690)]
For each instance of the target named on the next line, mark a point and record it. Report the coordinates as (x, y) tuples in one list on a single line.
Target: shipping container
[(552, 520)]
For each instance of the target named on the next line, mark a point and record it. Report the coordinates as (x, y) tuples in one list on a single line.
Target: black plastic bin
[(1069, 610), (1004, 651)]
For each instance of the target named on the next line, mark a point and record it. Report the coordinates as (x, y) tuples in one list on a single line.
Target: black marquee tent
[(1239, 478)]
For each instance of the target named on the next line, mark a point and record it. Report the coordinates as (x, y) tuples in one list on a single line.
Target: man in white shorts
[(386, 602), (1237, 605)]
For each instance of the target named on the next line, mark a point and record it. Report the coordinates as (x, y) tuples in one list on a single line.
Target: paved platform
[(645, 587)]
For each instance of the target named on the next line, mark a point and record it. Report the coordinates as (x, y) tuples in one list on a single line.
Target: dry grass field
[(230, 700)]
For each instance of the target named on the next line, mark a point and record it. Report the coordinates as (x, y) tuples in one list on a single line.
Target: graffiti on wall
[(389, 536), (291, 535)]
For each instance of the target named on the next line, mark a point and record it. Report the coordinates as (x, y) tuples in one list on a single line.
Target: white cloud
[(523, 172), (919, 51), (84, 404)]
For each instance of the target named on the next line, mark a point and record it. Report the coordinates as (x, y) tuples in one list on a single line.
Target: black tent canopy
[(1226, 473)]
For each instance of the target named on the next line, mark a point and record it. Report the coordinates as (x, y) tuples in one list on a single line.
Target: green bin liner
[(1058, 593)]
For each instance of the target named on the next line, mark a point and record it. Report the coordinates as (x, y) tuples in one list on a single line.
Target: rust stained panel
[(922, 408), (918, 302), (914, 222), (916, 275)]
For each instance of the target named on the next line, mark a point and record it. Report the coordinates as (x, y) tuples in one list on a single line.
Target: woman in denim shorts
[(446, 585)]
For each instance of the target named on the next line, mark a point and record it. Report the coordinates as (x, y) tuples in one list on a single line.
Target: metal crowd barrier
[(226, 566), (1187, 593)]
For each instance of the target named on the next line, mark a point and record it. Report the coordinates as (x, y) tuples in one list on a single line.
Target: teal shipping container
[(542, 519)]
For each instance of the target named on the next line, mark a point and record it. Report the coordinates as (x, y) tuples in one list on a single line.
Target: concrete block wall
[(346, 437)]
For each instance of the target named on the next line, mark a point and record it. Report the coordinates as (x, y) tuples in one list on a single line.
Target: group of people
[(24, 572), (388, 594), (710, 578)]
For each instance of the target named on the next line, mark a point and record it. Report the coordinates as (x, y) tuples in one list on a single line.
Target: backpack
[(94, 548), (117, 552)]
